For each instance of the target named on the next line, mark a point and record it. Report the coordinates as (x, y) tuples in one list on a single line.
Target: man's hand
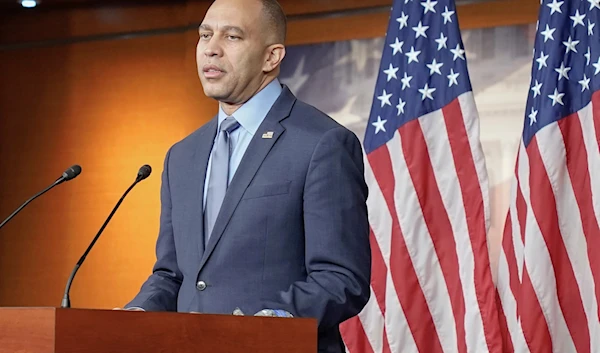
[(273, 313), (130, 309)]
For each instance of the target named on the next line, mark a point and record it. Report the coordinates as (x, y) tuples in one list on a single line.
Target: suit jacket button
[(201, 285)]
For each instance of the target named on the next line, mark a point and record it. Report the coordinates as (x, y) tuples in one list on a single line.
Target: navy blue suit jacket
[(292, 232)]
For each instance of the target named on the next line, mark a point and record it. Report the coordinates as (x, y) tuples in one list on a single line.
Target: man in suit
[(263, 207)]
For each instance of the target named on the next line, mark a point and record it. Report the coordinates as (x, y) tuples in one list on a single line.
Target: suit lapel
[(200, 163), (255, 154)]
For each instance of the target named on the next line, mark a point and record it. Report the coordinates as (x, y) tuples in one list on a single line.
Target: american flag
[(431, 289), (549, 267)]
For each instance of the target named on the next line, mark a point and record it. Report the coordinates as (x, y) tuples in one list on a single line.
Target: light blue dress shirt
[(250, 116)]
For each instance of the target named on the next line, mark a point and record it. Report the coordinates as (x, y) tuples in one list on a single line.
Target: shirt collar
[(252, 113)]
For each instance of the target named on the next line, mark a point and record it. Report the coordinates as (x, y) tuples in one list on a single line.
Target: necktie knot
[(229, 125)]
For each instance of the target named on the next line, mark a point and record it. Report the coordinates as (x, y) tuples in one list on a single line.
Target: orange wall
[(112, 106)]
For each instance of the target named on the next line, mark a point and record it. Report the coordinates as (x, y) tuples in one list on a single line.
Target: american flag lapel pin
[(268, 135)]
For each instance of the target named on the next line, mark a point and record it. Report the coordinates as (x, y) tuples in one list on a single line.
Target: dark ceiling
[(54, 4)]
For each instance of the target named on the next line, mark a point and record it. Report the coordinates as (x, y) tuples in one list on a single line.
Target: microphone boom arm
[(66, 300), (69, 174), (143, 173)]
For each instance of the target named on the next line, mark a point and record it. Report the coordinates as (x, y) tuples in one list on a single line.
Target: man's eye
[(233, 37), (204, 35)]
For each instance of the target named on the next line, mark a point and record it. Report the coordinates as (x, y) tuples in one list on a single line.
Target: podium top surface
[(50, 330)]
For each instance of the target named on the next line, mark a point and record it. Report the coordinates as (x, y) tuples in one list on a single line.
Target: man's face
[(231, 50)]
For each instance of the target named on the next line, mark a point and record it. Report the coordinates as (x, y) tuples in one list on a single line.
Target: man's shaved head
[(275, 20)]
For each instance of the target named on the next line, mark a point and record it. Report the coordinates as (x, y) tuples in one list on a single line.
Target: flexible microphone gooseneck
[(143, 173), (67, 175)]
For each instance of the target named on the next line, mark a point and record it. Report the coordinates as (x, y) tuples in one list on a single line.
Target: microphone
[(67, 175), (142, 174)]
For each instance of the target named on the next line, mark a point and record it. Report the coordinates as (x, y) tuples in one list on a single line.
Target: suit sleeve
[(338, 254), (159, 292)]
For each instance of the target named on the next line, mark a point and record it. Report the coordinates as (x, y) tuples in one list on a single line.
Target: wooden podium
[(54, 330)]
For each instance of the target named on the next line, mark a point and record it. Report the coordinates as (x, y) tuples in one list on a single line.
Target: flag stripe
[(436, 137), (470, 118), (356, 339), (521, 207), (418, 241), (399, 335), (379, 273), (378, 284), (506, 340), (518, 216), (568, 152), (546, 215), (479, 283), (405, 280), (513, 337), (372, 323), (381, 223), (536, 330), (418, 160), (535, 327), (596, 115), (588, 125), (511, 262)]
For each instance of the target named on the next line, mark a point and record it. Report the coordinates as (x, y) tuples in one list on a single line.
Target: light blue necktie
[(219, 175)]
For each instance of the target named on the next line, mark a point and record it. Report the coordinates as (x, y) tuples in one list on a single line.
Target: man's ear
[(274, 56)]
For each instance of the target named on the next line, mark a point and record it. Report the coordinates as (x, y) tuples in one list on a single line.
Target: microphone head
[(72, 172), (144, 172)]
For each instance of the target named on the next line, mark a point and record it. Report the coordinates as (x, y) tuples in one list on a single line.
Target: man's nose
[(212, 48)]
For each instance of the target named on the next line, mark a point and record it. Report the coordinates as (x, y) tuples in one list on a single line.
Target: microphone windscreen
[(72, 172), (144, 172)]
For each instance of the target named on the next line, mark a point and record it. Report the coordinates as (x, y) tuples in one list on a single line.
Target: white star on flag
[(570, 44), (585, 83), (542, 60), (427, 92), (406, 81), (548, 33), (385, 98), (447, 15), (397, 46), (555, 6), (413, 55), (379, 125), (597, 66), (577, 19), (533, 116), (556, 97), (391, 72), (594, 3), (442, 41), (429, 6), (588, 55), (400, 106), (591, 26), (403, 20), (434, 67), (453, 78), (537, 89), (420, 30), (458, 52), (563, 71)]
